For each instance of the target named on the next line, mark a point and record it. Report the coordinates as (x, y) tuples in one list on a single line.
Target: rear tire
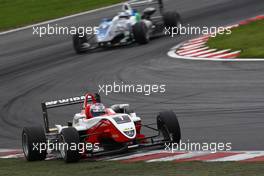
[(32, 136), (69, 137), (168, 124), (141, 33), (172, 19)]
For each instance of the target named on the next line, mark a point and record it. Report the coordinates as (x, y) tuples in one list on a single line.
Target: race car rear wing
[(65, 102), (135, 4), (148, 2)]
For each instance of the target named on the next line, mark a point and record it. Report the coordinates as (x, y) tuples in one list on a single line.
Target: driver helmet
[(124, 15), (97, 109)]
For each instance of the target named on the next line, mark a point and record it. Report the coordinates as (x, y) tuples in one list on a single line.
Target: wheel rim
[(164, 130), (147, 35), (178, 24), (62, 150), (165, 133), (25, 144)]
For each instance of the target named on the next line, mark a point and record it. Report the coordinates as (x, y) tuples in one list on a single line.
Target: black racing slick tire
[(34, 143), (172, 19), (141, 33), (70, 136), (78, 42), (168, 124)]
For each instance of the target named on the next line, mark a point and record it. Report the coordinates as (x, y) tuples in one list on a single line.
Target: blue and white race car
[(139, 21)]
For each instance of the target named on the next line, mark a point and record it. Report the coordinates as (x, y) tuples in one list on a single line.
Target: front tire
[(141, 33), (69, 137), (168, 124), (78, 42), (32, 137)]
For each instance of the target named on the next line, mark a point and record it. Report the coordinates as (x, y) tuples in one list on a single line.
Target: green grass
[(247, 38), (16, 13), (19, 167)]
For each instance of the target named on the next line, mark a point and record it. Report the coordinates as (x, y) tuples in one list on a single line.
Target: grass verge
[(17, 13), (247, 38), (19, 167)]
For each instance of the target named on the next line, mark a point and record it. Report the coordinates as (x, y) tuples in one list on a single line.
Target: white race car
[(137, 22)]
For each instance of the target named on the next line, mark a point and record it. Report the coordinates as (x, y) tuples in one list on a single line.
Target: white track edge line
[(58, 19), (239, 157)]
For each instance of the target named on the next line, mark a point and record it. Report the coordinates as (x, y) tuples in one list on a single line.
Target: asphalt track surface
[(215, 101)]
